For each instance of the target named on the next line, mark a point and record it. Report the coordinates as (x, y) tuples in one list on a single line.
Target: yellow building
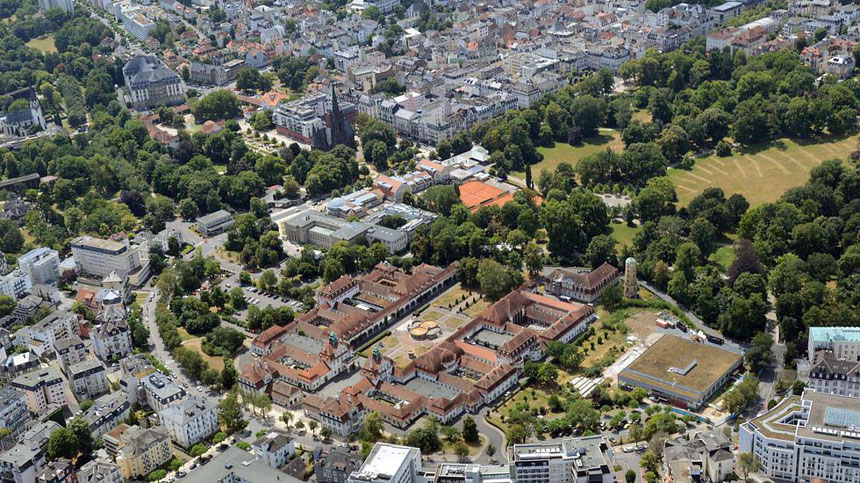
[(138, 451)]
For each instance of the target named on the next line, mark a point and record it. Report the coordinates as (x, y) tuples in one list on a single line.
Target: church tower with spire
[(341, 131)]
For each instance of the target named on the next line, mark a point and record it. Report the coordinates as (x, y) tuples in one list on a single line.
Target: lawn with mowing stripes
[(761, 173)]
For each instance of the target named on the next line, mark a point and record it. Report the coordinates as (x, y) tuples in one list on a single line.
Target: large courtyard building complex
[(469, 369), (807, 438), (683, 372)]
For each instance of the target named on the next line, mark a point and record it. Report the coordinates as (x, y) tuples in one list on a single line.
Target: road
[(163, 355)]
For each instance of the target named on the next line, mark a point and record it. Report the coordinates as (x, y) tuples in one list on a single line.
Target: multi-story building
[(45, 334), (160, 391), (88, 379), (100, 258), (693, 457), (21, 464), (806, 438), (65, 5), (215, 223), (136, 23), (16, 284), (70, 351), (311, 226), (111, 340), (472, 473), (274, 448), (150, 83), (389, 463), (318, 120), (138, 451), (13, 410), (334, 466), (843, 342), (44, 388), (581, 285), (574, 460), (190, 421), (43, 265), (830, 375), (99, 470), (108, 411)]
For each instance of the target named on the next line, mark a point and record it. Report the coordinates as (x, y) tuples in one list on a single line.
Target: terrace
[(429, 389)]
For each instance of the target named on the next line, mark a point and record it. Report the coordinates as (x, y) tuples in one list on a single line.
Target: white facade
[(808, 438), (101, 257), (16, 284), (136, 23), (843, 342), (274, 449), (66, 5), (389, 463), (43, 265), (111, 340), (190, 421), (13, 410)]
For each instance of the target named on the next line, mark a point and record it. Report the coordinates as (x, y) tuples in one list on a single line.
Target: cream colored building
[(138, 451)]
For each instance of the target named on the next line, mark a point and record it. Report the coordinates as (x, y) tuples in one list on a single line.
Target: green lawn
[(761, 173), (563, 152), (45, 44), (622, 233), (724, 256)]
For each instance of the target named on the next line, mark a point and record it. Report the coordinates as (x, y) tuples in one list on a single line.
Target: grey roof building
[(151, 83), (215, 223)]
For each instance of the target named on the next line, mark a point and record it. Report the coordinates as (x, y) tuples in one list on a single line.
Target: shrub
[(157, 475), (724, 148), (219, 437)]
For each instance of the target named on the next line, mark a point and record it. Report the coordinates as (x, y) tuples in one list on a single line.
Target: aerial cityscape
[(429, 241)]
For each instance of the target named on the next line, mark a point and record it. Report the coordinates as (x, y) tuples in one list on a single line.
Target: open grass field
[(724, 256), (44, 44), (761, 173), (563, 152), (216, 363), (622, 233)]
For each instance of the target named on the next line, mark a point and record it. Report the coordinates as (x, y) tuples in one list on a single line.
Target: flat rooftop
[(430, 389), (304, 343), (385, 460), (682, 366), (493, 339)]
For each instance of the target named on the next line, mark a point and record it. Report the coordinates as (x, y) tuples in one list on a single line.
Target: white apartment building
[(43, 265), (389, 463), (579, 460), (43, 388), (88, 379), (136, 23), (274, 449), (190, 421), (843, 342), (16, 284), (66, 5), (21, 464), (111, 340), (48, 331), (807, 438), (100, 258), (13, 410)]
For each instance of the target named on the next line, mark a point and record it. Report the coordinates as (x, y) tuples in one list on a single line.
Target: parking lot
[(257, 298)]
